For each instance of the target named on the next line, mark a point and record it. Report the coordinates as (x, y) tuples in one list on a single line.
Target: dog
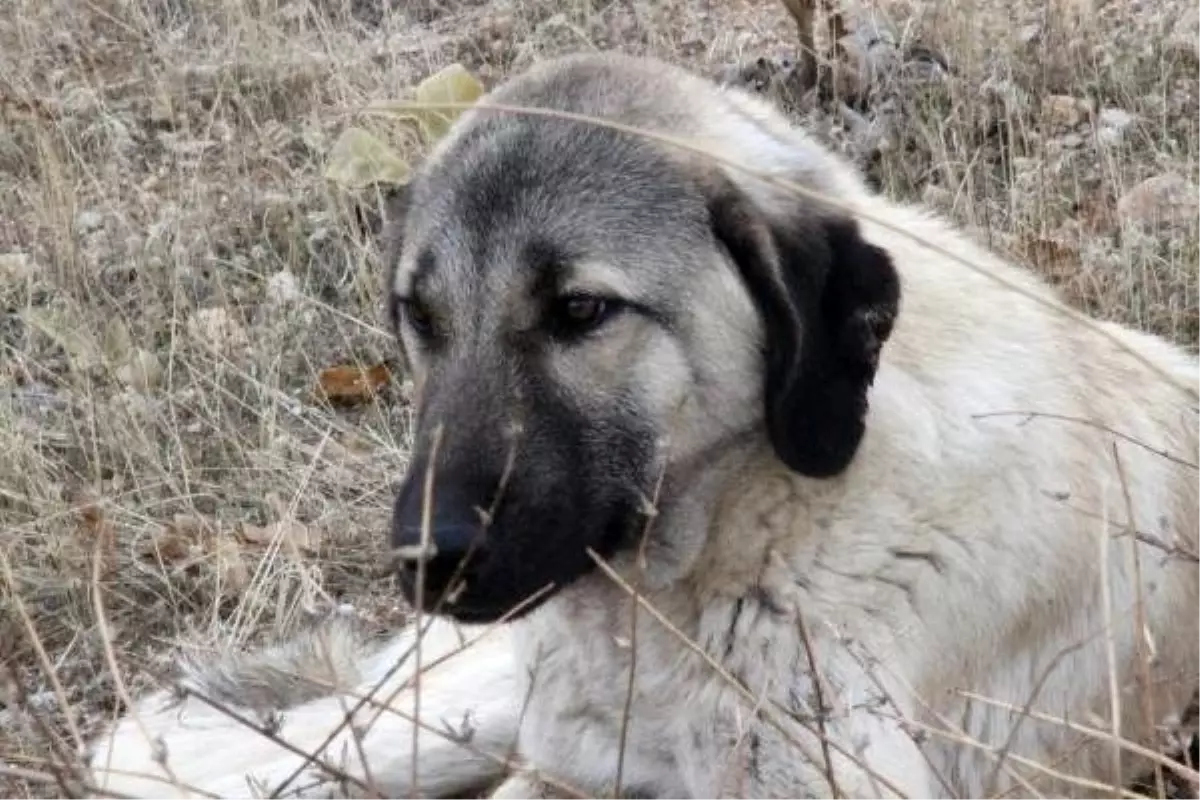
[(732, 478)]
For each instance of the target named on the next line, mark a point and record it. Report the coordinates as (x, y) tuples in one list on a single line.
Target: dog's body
[(914, 549)]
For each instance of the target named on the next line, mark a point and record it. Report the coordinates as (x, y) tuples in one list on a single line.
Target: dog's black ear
[(828, 300)]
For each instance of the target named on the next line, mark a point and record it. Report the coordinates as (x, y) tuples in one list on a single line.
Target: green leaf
[(358, 159), (452, 84)]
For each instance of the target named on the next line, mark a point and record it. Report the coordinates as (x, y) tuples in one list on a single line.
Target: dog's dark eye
[(418, 316), (578, 314)]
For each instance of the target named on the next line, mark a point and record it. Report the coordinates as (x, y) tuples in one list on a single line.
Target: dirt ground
[(176, 271)]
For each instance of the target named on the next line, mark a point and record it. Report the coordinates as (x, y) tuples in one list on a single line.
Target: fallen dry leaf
[(287, 532), (182, 541), (348, 385), (97, 535), (188, 540), (231, 570)]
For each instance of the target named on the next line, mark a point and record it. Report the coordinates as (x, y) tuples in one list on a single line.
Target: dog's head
[(582, 309)]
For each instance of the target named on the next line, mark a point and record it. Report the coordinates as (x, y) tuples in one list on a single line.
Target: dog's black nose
[(452, 544)]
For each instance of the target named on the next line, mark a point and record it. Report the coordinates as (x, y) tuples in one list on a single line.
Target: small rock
[(217, 328), (1163, 201), (1061, 110), (1116, 118), (1114, 124), (282, 288), (89, 221), (16, 268)]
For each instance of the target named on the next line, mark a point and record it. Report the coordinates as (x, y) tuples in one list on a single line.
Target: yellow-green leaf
[(115, 342), (82, 350), (452, 84), (358, 159)]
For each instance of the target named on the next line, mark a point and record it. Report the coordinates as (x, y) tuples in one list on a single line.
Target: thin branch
[(1032, 415), (737, 685), (822, 709)]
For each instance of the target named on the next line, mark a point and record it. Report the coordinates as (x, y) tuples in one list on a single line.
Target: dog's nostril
[(444, 545), (407, 554)]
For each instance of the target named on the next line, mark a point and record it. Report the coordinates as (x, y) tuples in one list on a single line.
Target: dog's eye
[(578, 314), (418, 316)]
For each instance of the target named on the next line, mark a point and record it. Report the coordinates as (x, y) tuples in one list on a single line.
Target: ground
[(176, 272)]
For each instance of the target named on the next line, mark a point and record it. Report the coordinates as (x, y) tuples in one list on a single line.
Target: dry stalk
[(822, 709), (1182, 770), (1139, 613), (737, 685), (1110, 645), (35, 640), (110, 657)]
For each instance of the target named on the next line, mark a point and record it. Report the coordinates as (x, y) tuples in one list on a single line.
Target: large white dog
[(899, 523)]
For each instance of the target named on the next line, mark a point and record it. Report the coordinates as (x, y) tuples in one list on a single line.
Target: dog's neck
[(702, 516)]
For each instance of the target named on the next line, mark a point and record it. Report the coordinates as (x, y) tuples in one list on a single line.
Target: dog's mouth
[(471, 592)]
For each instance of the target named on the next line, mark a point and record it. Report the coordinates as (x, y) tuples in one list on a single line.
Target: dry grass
[(161, 166)]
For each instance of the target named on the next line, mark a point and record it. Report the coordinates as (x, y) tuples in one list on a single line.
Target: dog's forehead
[(514, 200)]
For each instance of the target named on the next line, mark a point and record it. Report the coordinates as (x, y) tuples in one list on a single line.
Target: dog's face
[(580, 312)]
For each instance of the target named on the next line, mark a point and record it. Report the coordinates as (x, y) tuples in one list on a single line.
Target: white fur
[(958, 551), (210, 752)]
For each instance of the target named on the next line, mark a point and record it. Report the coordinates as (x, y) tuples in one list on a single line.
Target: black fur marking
[(828, 300), (731, 633), (755, 756), (575, 485)]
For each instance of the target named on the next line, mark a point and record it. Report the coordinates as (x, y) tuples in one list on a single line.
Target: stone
[(1164, 201)]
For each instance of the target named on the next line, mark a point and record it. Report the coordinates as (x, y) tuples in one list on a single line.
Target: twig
[(1139, 613), (64, 762), (1181, 769), (1032, 415), (1029, 701), (1026, 762), (1110, 645), (651, 512), (157, 747), (426, 530), (309, 758), (37, 776), (35, 640), (1127, 529), (737, 685), (822, 709)]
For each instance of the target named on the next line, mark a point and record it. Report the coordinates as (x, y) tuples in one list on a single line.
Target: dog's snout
[(444, 540)]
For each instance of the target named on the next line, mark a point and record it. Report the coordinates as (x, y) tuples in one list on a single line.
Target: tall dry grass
[(175, 272)]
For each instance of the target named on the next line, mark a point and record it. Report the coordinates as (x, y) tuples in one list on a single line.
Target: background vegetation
[(176, 270)]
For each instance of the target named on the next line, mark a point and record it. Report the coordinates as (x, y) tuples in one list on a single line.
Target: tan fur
[(960, 550)]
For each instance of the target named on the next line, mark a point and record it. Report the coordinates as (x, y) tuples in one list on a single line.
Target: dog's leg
[(521, 784), (472, 695)]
